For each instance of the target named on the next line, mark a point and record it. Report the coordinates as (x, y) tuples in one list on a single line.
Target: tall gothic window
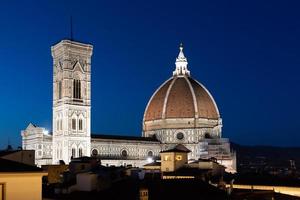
[(80, 125), (76, 89), (73, 152), (80, 152), (74, 124), (59, 90)]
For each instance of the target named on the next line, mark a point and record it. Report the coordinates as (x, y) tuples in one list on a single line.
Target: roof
[(186, 171), (7, 152), (153, 164), (204, 160), (123, 137), (181, 97), (83, 159), (177, 148), (11, 166)]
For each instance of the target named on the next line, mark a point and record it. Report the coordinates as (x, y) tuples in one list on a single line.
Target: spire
[(181, 64)]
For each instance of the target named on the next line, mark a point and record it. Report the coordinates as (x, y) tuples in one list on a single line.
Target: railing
[(295, 191)]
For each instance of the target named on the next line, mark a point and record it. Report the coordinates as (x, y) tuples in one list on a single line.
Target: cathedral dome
[(180, 97)]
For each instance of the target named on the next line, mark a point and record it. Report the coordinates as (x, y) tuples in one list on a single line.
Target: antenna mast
[(71, 28)]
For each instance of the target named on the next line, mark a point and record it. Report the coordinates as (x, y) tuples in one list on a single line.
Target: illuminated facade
[(181, 111), (71, 100)]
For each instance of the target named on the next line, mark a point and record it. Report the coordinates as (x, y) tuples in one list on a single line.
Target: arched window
[(124, 153), (80, 124), (59, 90), (74, 124), (76, 89), (150, 153), (94, 152), (73, 152), (80, 152)]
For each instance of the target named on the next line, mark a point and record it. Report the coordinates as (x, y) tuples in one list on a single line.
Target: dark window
[(74, 124), (124, 153), (207, 135), (80, 124), (180, 136), (150, 153), (94, 152), (80, 152), (77, 89), (59, 90), (73, 152)]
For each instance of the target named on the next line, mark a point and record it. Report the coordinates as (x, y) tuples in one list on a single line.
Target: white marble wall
[(38, 139)]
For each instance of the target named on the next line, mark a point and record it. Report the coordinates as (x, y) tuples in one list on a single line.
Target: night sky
[(247, 54)]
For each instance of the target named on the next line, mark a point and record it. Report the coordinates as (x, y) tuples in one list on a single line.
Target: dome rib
[(149, 115), (166, 98), (180, 102), (194, 97), (204, 100)]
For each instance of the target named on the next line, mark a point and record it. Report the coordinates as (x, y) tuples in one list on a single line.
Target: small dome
[(181, 97)]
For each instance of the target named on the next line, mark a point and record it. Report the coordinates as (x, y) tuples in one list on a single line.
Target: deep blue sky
[(247, 53)]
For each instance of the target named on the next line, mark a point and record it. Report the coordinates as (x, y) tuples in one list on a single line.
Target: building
[(175, 165), (181, 111), (21, 156), (19, 181), (38, 139), (173, 159)]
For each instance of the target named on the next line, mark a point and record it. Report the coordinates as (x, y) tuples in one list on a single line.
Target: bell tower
[(71, 100)]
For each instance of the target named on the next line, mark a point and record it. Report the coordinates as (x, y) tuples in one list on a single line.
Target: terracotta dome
[(181, 97)]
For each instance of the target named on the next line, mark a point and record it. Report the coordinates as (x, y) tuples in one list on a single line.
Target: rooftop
[(11, 166), (177, 148), (123, 137)]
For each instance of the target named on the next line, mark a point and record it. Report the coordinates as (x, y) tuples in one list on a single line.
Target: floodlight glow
[(46, 132), (149, 160)]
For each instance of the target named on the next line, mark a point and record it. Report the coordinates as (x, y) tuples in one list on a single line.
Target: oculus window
[(179, 136), (94, 152), (124, 153)]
